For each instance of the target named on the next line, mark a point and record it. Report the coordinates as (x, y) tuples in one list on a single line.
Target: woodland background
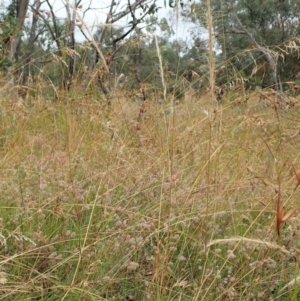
[(37, 45)]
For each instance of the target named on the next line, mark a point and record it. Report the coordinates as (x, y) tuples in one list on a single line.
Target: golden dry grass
[(178, 207)]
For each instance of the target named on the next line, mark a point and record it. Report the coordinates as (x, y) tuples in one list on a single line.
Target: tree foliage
[(272, 24), (246, 32)]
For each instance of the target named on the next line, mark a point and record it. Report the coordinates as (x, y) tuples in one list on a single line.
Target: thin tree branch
[(122, 14), (57, 35), (92, 40), (52, 33)]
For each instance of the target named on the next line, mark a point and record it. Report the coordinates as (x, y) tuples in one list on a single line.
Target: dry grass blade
[(161, 70), (211, 62), (248, 240), (292, 283), (297, 175), (281, 218)]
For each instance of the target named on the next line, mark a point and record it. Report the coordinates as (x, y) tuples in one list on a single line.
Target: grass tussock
[(180, 207)]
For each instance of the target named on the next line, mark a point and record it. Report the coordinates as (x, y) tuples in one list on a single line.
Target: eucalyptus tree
[(17, 9), (135, 12), (252, 34), (11, 19)]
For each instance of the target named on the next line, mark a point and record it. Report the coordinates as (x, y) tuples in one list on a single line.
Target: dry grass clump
[(181, 208)]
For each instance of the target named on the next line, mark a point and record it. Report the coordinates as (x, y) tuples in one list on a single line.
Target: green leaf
[(171, 3)]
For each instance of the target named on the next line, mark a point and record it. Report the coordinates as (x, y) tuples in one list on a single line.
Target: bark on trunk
[(22, 6), (32, 38)]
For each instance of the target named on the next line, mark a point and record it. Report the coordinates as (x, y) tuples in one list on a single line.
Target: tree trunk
[(71, 17), (22, 6), (32, 38)]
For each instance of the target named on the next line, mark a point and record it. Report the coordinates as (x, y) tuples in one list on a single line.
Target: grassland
[(180, 206)]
